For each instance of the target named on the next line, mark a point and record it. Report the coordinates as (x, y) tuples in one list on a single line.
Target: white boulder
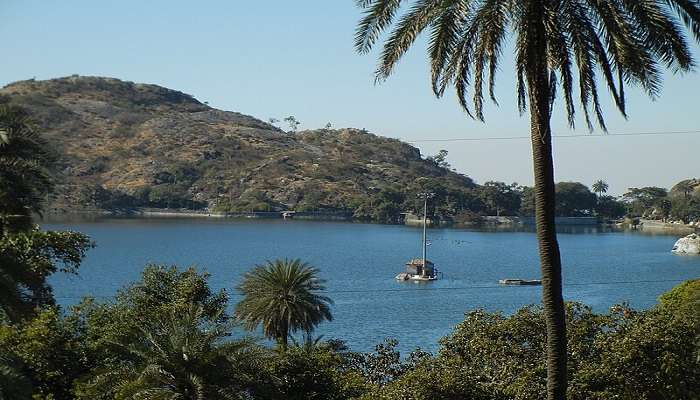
[(687, 245)]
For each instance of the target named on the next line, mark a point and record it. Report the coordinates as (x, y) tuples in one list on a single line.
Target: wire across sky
[(589, 135)]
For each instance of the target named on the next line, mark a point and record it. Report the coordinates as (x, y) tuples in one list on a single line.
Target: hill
[(123, 145)]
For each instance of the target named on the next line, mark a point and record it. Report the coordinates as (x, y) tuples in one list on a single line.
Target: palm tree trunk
[(283, 338), (550, 260)]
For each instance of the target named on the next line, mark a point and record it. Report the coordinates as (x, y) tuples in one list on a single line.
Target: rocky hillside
[(125, 145)]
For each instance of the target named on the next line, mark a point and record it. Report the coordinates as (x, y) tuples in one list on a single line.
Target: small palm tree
[(556, 43), (176, 358), (284, 296), (600, 187)]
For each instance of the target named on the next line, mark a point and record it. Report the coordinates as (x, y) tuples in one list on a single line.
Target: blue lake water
[(359, 262)]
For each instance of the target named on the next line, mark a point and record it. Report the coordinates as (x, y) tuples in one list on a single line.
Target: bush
[(623, 354)]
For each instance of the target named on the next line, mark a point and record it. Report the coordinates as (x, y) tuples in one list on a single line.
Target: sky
[(279, 58)]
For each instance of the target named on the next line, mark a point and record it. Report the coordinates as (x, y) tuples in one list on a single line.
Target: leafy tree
[(13, 384), (500, 197), (293, 123), (384, 205), (527, 201), (623, 354), (284, 296), (685, 187), (160, 291), (574, 199), (382, 366), (440, 159), (600, 187), (27, 259), (640, 200), (322, 371), (685, 209), (24, 169), (179, 356), (627, 42), (609, 207), (48, 354)]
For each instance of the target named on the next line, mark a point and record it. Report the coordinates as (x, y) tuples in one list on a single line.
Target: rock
[(687, 245)]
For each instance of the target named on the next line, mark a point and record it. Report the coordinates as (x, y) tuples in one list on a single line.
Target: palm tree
[(177, 358), (24, 176), (284, 296), (625, 41), (600, 187)]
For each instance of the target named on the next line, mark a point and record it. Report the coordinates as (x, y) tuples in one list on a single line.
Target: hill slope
[(124, 145)]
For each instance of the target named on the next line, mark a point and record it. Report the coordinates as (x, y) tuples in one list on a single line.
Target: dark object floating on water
[(520, 282)]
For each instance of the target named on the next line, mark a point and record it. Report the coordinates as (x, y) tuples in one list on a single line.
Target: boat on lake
[(520, 282), (420, 269), (417, 270)]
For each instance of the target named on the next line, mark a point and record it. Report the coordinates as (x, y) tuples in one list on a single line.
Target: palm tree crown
[(625, 41), (284, 297), (179, 356), (600, 186)]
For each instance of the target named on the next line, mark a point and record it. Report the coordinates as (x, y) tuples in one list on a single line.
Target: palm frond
[(618, 42), (407, 30), (378, 15)]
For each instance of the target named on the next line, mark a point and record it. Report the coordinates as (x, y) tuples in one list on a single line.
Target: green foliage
[(13, 384), (683, 300), (381, 205), (166, 337), (162, 290), (24, 168), (318, 372), (686, 209), (527, 202), (641, 199), (440, 159), (682, 203), (624, 354), (27, 259), (50, 352), (293, 123), (599, 187), (177, 355), (609, 207), (574, 199), (500, 198), (384, 365), (284, 296)]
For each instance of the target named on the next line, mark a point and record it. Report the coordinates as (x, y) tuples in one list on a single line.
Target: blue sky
[(279, 58)]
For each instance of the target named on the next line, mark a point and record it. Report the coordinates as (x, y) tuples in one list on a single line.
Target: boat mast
[(425, 218), (425, 243)]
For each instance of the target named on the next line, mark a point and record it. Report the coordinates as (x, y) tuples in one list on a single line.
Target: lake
[(359, 262)]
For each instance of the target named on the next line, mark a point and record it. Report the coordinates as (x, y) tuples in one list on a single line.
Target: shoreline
[(653, 226), (645, 226)]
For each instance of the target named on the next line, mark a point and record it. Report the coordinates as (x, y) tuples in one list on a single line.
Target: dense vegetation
[(681, 203)]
